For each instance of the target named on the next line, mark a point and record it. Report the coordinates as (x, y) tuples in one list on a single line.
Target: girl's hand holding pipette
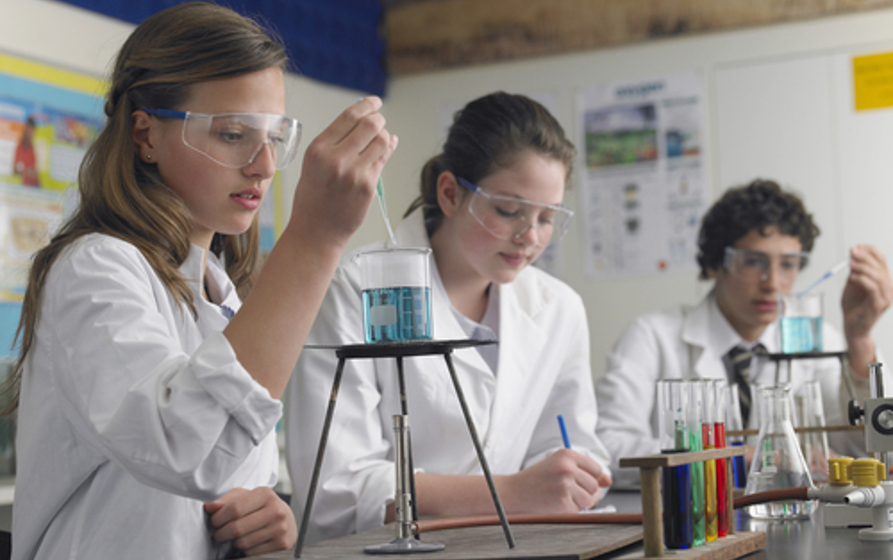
[(340, 172), (867, 294), (337, 185)]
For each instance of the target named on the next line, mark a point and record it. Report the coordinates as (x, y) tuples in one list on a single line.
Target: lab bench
[(789, 540)]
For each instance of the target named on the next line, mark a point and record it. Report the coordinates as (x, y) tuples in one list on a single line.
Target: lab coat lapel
[(696, 335), (446, 327), (520, 338), (411, 233)]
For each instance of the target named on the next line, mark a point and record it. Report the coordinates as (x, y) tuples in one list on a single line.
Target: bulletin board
[(48, 117), (60, 113)]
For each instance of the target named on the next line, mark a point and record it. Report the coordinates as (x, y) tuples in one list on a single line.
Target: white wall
[(777, 106)]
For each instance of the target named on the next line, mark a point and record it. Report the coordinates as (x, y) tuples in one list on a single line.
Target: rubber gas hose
[(427, 525)]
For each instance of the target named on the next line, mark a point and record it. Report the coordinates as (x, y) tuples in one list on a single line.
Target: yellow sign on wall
[(873, 81)]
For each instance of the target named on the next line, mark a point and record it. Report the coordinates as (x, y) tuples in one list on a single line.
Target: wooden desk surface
[(792, 540), (533, 542)]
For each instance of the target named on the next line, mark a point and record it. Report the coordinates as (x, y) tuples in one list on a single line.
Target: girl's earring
[(148, 157)]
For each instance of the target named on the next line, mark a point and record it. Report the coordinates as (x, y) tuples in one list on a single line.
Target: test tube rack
[(735, 545)]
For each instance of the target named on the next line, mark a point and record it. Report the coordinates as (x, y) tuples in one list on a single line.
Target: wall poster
[(48, 117), (643, 190)]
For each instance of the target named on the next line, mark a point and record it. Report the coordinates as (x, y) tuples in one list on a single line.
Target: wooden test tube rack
[(652, 522)]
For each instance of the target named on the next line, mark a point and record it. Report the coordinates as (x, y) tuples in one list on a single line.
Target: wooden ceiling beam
[(435, 34)]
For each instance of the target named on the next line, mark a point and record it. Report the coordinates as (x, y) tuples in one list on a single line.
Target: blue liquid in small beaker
[(801, 334), (397, 314)]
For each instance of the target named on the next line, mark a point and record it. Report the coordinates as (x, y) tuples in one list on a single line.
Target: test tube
[(720, 389), (694, 419), (734, 423), (677, 488), (709, 442)]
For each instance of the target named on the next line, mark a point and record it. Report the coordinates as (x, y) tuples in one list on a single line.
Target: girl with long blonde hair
[(149, 392)]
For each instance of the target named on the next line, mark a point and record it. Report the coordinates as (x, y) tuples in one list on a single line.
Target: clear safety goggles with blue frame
[(507, 217), (235, 139), (751, 264)]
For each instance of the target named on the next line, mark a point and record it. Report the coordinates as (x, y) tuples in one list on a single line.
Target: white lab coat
[(133, 413), (543, 371), (689, 343)]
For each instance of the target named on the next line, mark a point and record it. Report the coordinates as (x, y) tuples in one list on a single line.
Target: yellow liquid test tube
[(711, 521)]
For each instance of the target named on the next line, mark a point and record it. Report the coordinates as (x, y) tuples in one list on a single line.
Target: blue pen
[(567, 441)]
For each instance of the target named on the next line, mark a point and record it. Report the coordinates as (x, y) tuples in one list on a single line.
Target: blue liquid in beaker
[(801, 334), (397, 314)]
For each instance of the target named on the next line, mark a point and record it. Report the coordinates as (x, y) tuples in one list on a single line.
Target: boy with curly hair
[(753, 242)]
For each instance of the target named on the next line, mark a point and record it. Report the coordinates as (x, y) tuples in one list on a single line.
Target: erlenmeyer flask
[(778, 462)]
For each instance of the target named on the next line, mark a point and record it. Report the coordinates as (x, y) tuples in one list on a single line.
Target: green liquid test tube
[(709, 442), (695, 431)]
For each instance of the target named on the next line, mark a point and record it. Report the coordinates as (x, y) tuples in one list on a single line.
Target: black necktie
[(738, 361)]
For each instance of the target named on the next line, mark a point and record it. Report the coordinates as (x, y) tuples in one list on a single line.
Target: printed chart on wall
[(643, 191), (48, 117)]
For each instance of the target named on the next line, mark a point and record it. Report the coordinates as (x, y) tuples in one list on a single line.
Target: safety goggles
[(235, 139), (507, 217), (750, 264)]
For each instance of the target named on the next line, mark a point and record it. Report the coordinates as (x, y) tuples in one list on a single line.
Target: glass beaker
[(396, 286), (778, 462), (809, 416), (800, 316)]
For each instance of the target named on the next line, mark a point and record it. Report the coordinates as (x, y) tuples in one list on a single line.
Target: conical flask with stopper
[(778, 462)]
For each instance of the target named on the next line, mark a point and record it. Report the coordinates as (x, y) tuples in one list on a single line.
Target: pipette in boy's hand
[(837, 268)]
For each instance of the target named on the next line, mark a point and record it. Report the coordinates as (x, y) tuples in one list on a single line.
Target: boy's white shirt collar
[(724, 337)]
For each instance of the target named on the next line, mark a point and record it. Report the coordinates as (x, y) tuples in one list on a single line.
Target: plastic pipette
[(384, 212), (837, 268)]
